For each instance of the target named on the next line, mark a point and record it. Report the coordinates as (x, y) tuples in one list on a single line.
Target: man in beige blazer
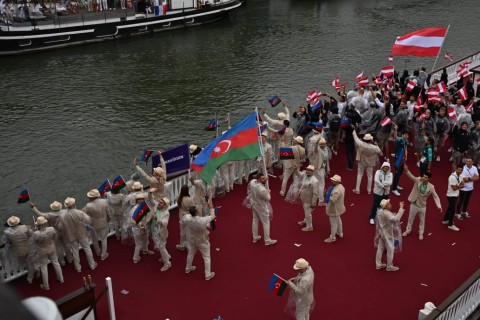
[(421, 190), (308, 196), (335, 200), (367, 156)]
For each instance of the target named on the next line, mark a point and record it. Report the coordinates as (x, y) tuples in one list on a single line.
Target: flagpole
[(438, 54), (261, 146), (216, 126)]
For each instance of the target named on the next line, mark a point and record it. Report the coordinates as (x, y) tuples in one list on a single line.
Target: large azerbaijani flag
[(238, 143)]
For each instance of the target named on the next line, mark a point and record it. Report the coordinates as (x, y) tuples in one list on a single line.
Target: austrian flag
[(411, 84), (462, 94), (452, 114), (421, 43), (388, 71), (441, 87), (386, 121), (363, 82)]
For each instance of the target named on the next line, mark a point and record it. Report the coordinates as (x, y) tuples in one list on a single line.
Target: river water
[(72, 118)]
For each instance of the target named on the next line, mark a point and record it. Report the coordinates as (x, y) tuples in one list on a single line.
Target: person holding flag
[(292, 166), (335, 200), (158, 227), (53, 218), (115, 201), (267, 156), (277, 125), (138, 221), (158, 179), (100, 212), (301, 301), (200, 196), (197, 238)]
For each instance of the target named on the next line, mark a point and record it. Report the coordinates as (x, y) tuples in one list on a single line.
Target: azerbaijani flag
[(277, 285), (282, 131), (140, 212), (316, 125), (106, 186), (238, 143), (24, 196), (213, 226), (146, 155), (118, 183), (344, 123), (212, 125), (286, 153), (275, 101)]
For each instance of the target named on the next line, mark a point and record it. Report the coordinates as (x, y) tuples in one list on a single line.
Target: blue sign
[(176, 159)]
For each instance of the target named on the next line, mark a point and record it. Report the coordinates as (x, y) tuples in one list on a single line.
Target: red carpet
[(347, 285)]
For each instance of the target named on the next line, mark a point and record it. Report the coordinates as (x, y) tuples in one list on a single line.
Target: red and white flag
[(410, 85), (385, 121), (390, 84), (359, 77), (336, 82), (466, 64), (469, 106), (378, 81), (478, 80), (452, 114), (447, 56), (462, 93), (441, 87), (421, 43), (462, 72), (313, 96), (363, 82), (422, 116), (390, 58), (419, 100), (388, 71), (417, 107)]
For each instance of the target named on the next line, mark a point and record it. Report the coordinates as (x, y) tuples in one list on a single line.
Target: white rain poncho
[(259, 198), (389, 229), (300, 300)]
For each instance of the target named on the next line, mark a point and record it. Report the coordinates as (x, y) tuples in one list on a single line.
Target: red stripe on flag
[(401, 50), (240, 140)]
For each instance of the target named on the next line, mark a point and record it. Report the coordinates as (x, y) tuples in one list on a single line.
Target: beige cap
[(56, 206), (310, 167), (368, 137), (94, 193), (299, 139), (69, 202), (13, 221), (140, 195), (322, 141), (281, 116), (137, 186), (336, 178), (193, 148), (300, 264), (384, 203), (41, 220), (166, 201), (159, 171)]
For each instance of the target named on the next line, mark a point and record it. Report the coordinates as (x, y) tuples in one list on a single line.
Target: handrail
[(452, 67), (461, 303)]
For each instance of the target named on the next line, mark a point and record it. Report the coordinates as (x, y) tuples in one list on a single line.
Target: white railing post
[(111, 305)]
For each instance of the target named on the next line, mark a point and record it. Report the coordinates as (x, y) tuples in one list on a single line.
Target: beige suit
[(367, 156), (291, 166), (418, 202), (322, 168), (334, 209)]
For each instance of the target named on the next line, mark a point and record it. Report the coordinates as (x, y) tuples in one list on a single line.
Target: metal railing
[(451, 69), (461, 303)]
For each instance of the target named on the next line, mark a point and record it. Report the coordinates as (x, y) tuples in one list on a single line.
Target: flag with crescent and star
[(277, 285), (238, 143)]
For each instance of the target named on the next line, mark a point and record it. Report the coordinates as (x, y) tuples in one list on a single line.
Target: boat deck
[(347, 285)]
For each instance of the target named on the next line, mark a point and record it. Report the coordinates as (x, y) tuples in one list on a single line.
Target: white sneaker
[(210, 276), (395, 192), (453, 227), (372, 221), (418, 164), (438, 158), (450, 149), (399, 188)]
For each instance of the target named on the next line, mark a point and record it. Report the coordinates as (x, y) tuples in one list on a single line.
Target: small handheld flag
[(277, 285), (275, 101), (462, 93), (24, 196), (286, 153), (385, 121), (140, 212), (213, 225), (448, 57), (317, 105), (390, 59), (146, 155), (282, 131), (105, 186), (212, 125), (400, 159), (315, 125), (344, 123), (118, 183), (452, 114), (469, 106)]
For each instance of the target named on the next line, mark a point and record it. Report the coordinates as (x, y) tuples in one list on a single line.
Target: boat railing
[(461, 303), (10, 270), (451, 68)]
